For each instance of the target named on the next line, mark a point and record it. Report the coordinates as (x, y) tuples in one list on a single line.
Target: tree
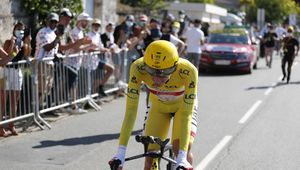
[(148, 7), (275, 10), (39, 9), (200, 1)]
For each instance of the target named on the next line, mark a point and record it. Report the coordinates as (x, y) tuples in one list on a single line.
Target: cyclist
[(172, 82)]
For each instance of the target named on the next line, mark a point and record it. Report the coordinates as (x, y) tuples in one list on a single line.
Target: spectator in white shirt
[(94, 62), (73, 64), (47, 43), (194, 40)]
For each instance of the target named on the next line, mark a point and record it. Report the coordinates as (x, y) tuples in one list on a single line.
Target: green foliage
[(275, 10), (148, 7), (200, 1), (43, 7), (151, 7)]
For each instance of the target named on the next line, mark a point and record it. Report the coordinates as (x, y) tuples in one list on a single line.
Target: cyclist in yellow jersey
[(172, 82)]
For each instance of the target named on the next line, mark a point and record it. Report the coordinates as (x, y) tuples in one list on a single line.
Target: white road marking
[(213, 153), (269, 90), (250, 112)]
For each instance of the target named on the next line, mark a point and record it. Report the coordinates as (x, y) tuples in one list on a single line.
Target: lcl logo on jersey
[(189, 98), (132, 91), (133, 80), (192, 85), (184, 71)]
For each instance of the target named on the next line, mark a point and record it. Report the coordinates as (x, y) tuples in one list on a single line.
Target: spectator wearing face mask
[(124, 30), (19, 47), (175, 28)]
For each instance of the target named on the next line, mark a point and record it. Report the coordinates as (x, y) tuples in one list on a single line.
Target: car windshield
[(228, 38)]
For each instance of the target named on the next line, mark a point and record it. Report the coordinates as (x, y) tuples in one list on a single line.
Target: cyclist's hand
[(182, 163), (115, 164), (119, 156)]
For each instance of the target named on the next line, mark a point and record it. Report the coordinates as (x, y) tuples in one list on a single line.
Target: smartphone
[(60, 29), (27, 32)]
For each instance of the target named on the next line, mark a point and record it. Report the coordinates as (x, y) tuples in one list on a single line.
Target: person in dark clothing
[(290, 50), (123, 31), (269, 43)]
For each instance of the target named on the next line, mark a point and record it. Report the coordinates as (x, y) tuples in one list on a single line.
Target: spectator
[(154, 33), (97, 63), (135, 43), (63, 28), (19, 47), (280, 31), (183, 21), (108, 41), (65, 18), (73, 64), (290, 51), (123, 31), (205, 28), (269, 42), (194, 40), (4, 60), (175, 28), (47, 43)]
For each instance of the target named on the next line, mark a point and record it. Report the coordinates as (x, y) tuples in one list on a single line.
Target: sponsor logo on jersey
[(189, 98), (183, 72), (192, 85), (133, 80)]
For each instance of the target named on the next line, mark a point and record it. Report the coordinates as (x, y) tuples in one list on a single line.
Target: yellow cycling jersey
[(179, 90)]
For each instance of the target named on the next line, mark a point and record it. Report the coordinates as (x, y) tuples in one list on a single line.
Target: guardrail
[(29, 88)]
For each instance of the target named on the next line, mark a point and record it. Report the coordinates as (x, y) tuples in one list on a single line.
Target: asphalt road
[(246, 122)]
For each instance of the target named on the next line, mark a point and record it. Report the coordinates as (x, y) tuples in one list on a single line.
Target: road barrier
[(30, 88)]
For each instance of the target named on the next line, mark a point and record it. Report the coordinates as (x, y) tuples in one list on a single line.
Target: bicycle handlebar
[(151, 139)]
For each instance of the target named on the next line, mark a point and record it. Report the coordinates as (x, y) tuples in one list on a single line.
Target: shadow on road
[(87, 140), (278, 84)]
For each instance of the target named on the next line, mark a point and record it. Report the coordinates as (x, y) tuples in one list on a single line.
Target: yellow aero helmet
[(161, 54)]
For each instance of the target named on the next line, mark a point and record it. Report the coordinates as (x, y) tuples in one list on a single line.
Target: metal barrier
[(31, 88)]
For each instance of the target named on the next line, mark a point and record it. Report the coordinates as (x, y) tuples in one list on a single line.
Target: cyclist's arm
[(132, 100), (191, 82)]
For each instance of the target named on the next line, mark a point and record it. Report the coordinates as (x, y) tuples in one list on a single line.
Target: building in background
[(228, 4), (205, 12), (105, 10)]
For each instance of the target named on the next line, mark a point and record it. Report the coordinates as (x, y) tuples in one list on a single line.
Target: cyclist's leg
[(283, 64), (157, 125), (175, 135)]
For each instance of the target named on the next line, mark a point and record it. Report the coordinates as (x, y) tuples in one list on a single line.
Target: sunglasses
[(160, 72), (53, 21)]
